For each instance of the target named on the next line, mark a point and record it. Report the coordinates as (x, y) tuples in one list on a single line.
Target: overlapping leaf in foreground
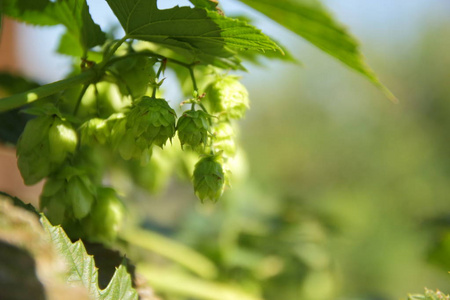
[(310, 20), (83, 270), (196, 33)]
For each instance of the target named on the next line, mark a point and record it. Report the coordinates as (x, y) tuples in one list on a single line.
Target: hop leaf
[(134, 75), (228, 96), (83, 270), (193, 129), (44, 146), (209, 178)]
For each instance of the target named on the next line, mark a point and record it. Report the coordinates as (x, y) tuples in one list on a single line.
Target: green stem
[(80, 97), (148, 54), (194, 82), (110, 52), (163, 63), (21, 99)]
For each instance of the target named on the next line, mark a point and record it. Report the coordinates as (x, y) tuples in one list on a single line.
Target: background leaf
[(73, 14), (309, 19)]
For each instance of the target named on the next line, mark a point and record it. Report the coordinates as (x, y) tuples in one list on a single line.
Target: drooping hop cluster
[(44, 145), (70, 197), (228, 97), (151, 122), (192, 128), (209, 178)]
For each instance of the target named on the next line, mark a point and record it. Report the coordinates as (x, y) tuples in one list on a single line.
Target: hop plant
[(43, 146), (193, 128), (105, 218), (209, 178), (228, 96), (150, 123)]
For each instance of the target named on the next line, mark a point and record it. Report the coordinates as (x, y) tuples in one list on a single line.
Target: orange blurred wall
[(10, 180)]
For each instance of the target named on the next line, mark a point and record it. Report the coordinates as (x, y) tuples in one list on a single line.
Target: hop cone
[(68, 194), (95, 131), (228, 96), (193, 129), (43, 146), (223, 139), (105, 218), (150, 122), (209, 178)]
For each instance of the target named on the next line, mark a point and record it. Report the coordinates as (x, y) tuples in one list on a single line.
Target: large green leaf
[(196, 33), (309, 19), (83, 270), (207, 4), (73, 14)]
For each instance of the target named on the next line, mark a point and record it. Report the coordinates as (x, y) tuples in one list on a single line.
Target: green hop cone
[(68, 195), (209, 178), (228, 96), (62, 140), (150, 123), (193, 128), (223, 139), (94, 132), (105, 218), (43, 146)]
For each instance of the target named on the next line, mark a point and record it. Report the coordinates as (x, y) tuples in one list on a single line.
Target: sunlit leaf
[(197, 33)]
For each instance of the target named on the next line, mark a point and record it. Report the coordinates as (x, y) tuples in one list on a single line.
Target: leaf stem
[(149, 54), (161, 68), (194, 82), (21, 99), (80, 97), (110, 52)]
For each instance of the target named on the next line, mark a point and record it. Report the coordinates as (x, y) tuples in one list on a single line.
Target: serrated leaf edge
[(88, 276)]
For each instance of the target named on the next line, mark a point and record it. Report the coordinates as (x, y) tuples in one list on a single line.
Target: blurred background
[(341, 194)]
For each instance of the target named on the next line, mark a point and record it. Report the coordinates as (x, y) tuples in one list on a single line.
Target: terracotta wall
[(10, 180)]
